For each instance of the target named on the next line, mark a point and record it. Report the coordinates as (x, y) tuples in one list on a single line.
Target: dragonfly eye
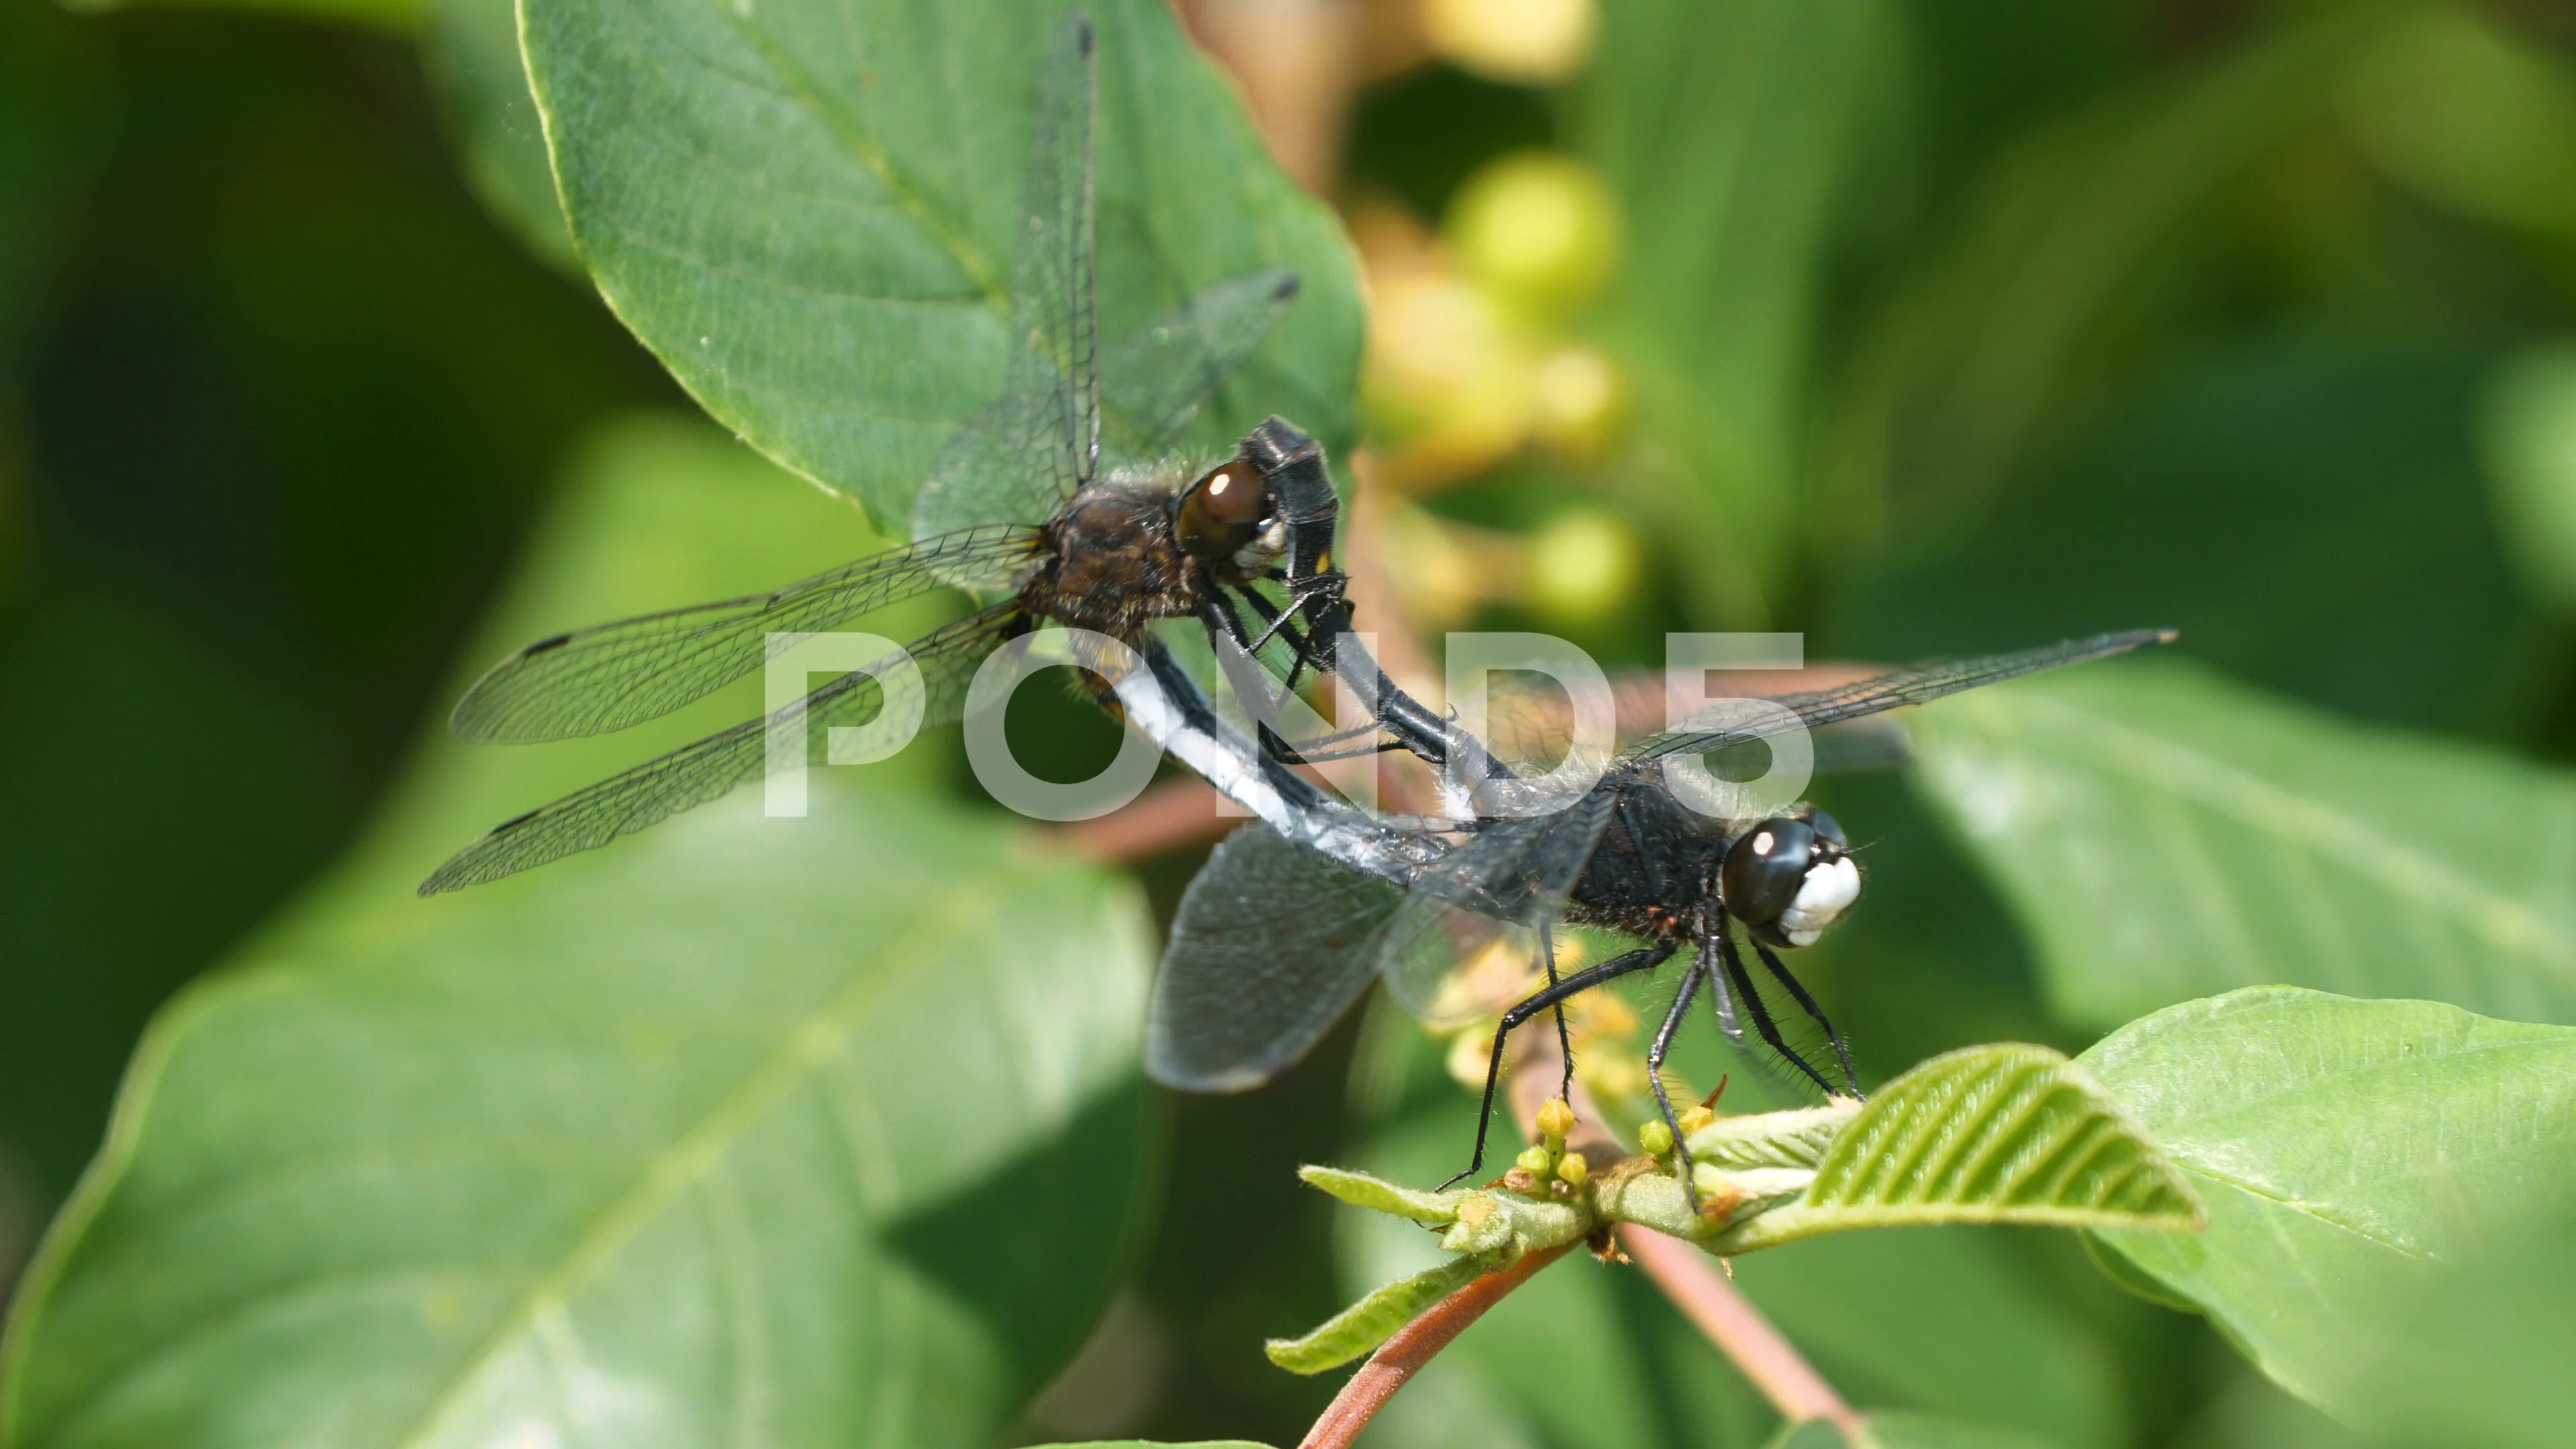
[(1224, 512), (1788, 879)]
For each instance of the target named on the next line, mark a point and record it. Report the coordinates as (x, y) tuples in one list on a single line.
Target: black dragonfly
[(1020, 502), (1274, 940)]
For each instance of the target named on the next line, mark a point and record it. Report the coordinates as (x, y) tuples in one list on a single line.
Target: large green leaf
[(2343, 1147), (1731, 134), (816, 1131), (2165, 835), (805, 208)]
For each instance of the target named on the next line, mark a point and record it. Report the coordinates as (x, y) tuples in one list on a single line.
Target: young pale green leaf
[(2343, 1147), (1994, 1134), (1361, 1190), (814, 1121), (1360, 1328), (805, 208), (2202, 836)]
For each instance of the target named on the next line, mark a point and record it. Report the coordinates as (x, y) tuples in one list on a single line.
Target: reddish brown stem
[(1739, 1330), (1397, 1359)]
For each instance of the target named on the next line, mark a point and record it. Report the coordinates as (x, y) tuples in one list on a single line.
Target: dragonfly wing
[(856, 703), (1018, 459), (1155, 382), (1272, 944), (1822, 707), (595, 680), (1512, 874)]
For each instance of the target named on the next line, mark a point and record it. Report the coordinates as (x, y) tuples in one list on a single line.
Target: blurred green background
[(1921, 327)]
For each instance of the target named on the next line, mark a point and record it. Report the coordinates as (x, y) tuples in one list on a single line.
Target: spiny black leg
[(1655, 1068), (1301, 647), (1643, 959), (1762, 1014), (1807, 1004), (1720, 1000), (1564, 1037)]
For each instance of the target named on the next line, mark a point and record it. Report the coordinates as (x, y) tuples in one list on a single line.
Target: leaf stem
[(1739, 1330), (1397, 1359)]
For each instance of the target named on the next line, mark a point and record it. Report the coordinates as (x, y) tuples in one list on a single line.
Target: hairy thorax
[(1116, 564)]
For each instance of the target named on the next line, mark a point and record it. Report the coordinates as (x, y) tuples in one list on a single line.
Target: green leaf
[(1730, 134), (1996, 1134), (472, 50), (1155, 1444), (1361, 1190), (804, 208), (792, 1129), (2479, 1359), (1360, 1328), (1591, 1355), (2342, 1147), (2164, 835)]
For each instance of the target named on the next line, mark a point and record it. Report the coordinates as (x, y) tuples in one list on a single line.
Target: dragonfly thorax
[(1116, 563)]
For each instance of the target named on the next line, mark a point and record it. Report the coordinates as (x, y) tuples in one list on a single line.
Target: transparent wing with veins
[(697, 773), (592, 681), (1818, 708), (1019, 458)]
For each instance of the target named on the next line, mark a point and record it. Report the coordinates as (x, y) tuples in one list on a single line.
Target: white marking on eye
[(1762, 843), (1822, 896)]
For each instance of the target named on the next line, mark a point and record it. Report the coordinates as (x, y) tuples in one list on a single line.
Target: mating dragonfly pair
[(1068, 502)]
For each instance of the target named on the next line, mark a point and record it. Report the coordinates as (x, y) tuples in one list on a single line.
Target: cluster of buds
[(1547, 1165)]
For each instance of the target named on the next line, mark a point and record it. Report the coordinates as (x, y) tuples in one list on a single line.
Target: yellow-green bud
[(1538, 231), (1585, 564), (1534, 1161), (1572, 1169), (1694, 1118), (1555, 1119), (1654, 1139)]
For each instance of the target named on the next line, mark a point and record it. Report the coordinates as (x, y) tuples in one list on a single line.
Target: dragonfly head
[(1229, 521), (1787, 878)]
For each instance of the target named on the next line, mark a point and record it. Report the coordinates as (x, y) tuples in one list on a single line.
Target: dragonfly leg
[(1762, 1014), (1564, 1037), (1720, 1000), (1655, 1067), (1807, 1003), (1645, 958)]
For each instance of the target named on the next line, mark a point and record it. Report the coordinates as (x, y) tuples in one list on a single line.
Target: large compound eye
[(1224, 511), (1765, 867), (1830, 830)]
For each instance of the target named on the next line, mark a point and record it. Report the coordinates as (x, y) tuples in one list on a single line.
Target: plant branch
[(1397, 1359), (1722, 1312)]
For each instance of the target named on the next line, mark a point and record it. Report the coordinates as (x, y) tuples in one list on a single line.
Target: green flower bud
[(1572, 1169), (1555, 1119), (1654, 1139), (1534, 1161)]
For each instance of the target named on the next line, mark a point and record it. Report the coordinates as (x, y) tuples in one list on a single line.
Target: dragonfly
[(1021, 502), (1280, 933)]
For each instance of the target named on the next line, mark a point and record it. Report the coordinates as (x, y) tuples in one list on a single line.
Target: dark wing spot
[(513, 823), (542, 645), (1288, 286)]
